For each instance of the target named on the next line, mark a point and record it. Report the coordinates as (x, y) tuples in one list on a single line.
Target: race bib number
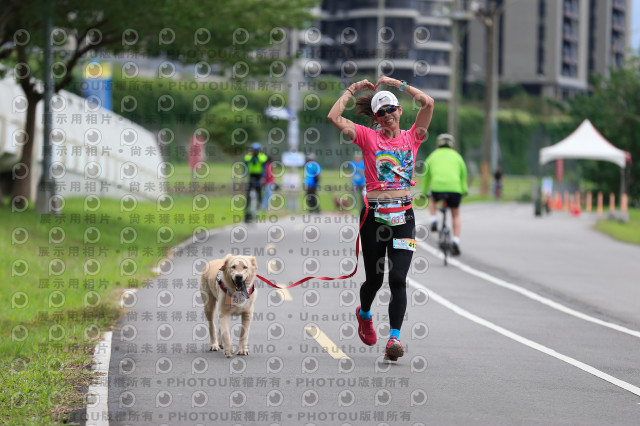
[(391, 219), (404, 244), (235, 299)]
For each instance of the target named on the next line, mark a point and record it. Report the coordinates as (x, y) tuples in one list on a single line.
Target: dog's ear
[(254, 262), (226, 260)]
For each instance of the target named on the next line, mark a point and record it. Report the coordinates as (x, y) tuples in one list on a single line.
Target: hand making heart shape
[(367, 85), (388, 81)]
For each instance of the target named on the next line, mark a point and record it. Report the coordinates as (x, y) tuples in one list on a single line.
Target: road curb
[(98, 394), (97, 407)]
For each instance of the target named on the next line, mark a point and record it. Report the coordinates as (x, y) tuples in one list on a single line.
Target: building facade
[(408, 39), (551, 47)]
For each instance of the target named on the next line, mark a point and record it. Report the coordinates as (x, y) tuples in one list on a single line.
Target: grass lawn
[(628, 232), (514, 188), (63, 277)]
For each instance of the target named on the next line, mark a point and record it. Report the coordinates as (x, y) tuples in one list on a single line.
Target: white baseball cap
[(383, 98)]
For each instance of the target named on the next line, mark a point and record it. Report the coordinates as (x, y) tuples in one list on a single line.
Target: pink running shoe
[(365, 330), (394, 350)]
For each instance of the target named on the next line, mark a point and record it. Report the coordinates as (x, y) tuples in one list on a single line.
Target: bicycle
[(444, 236)]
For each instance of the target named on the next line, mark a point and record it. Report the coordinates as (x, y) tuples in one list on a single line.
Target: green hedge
[(521, 134)]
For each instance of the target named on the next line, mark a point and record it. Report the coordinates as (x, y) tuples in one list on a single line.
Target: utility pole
[(292, 180), (489, 18), (294, 78), (452, 122), (457, 15), (379, 44)]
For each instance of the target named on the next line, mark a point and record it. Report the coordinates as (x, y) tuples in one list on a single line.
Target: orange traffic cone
[(599, 202), (558, 201), (575, 208)]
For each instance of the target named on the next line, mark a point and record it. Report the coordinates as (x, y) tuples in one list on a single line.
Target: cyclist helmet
[(256, 146), (445, 139)]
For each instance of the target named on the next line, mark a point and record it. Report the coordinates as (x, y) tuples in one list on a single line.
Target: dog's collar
[(226, 290)]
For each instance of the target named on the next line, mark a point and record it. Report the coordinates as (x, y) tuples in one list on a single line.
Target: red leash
[(364, 218)]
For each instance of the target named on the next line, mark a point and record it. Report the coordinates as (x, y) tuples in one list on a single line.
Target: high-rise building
[(409, 39), (550, 47), (610, 42)]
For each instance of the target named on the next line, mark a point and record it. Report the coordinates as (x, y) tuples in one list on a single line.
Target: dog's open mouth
[(241, 286)]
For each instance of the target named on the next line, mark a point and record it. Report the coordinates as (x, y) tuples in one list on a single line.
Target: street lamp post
[(46, 186), (294, 78), (489, 17), (452, 122), (380, 46), (457, 15)]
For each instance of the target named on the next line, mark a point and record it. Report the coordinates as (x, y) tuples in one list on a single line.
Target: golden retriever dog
[(227, 286)]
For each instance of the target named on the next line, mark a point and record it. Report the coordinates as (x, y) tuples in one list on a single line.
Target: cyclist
[(255, 161), (446, 176)]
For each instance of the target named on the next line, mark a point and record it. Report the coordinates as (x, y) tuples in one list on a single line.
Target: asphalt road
[(538, 322)]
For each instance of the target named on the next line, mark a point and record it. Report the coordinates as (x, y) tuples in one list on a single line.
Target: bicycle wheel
[(445, 244), (447, 247)]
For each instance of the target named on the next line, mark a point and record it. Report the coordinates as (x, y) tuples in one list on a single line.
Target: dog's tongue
[(245, 292)]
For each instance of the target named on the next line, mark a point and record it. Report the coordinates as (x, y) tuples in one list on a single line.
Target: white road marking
[(527, 293), (530, 343), (326, 343), (98, 408)]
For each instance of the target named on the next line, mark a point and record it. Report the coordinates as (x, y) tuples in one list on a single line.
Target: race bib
[(235, 299), (404, 244), (391, 219)]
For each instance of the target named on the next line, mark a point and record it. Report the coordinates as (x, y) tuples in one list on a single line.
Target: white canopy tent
[(585, 143)]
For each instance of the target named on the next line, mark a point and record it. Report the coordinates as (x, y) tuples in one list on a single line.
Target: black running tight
[(377, 242)]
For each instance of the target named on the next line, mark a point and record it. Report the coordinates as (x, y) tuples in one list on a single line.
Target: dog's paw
[(228, 354), (243, 352), (215, 347)]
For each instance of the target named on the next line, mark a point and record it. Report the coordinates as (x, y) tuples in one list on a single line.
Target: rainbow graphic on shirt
[(395, 166)]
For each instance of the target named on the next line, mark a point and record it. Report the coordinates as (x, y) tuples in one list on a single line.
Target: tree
[(232, 132), (614, 109), (214, 31), (8, 12)]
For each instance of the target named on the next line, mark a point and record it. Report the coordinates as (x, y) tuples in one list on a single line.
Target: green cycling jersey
[(446, 172)]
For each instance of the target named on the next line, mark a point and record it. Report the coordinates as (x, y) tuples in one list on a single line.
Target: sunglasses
[(386, 110)]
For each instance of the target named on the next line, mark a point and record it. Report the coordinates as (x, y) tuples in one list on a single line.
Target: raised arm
[(335, 117), (423, 118)]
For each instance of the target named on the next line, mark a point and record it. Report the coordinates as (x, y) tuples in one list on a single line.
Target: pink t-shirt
[(388, 163)]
